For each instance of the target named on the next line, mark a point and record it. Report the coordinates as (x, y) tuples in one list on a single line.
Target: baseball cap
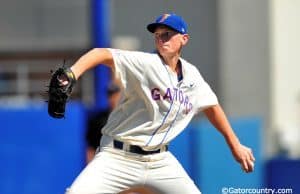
[(171, 20)]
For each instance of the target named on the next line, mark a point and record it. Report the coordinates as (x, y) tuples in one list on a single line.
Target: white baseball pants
[(113, 170)]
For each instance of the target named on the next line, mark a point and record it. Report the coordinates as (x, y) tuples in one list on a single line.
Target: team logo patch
[(164, 17)]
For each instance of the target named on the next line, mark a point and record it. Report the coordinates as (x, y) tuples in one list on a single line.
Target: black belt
[(137, 149)]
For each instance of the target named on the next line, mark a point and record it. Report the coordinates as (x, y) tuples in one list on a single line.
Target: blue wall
[(44, 155), (283, 173), (40, 154)]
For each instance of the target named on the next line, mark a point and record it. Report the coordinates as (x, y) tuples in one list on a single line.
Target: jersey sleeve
[(205, 96), (128, 68)]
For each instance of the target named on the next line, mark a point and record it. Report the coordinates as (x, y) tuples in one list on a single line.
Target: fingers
[(245, 157), (244, 166), (63, 80), (248, 161), (247, 166), (251, 166), (251, 155)]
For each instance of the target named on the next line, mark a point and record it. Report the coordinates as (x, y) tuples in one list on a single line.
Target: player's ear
[(185, 38)]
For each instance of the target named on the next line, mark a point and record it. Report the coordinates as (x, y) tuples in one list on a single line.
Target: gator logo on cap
[(164, 17)]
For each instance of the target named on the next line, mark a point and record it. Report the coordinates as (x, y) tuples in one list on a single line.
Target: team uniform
[(156, 106)]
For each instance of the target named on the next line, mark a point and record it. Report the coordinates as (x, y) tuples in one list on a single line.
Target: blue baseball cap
[(171, 20)]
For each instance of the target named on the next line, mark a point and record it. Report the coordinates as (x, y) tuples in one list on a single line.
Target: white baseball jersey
[(155, 106)]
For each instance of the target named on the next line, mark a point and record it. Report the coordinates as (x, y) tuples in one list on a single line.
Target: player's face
[(169, 42)]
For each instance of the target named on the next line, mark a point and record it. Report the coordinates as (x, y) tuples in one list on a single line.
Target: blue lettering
[(181, 96), (155, 94), (175, 94), (168, 94)]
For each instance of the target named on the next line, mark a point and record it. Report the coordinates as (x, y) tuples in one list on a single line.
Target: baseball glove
[(61, 84)]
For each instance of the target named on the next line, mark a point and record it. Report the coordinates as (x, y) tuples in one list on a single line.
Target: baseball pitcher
[(161, 94)]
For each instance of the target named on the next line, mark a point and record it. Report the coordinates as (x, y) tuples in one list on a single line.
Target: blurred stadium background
[(248, 50)]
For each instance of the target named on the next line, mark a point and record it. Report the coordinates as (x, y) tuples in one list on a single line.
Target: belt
[(137, 149)]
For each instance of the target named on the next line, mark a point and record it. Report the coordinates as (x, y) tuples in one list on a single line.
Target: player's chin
[(162, 47), (165, 51)]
